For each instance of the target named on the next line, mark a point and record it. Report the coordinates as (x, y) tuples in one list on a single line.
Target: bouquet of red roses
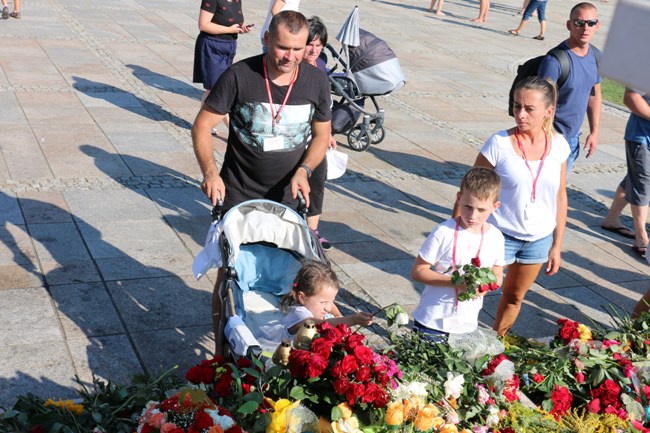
[(476, 279), (187, 411), (338, 368)]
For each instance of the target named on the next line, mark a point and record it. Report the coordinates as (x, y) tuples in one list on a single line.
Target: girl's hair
[(310, 280), (317, 30), (548, 90)]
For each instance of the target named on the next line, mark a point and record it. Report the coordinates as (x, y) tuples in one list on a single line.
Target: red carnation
[(223, 385), (607, 392), (483, 288), (341, 385), (244, 363), (348, 364), (315, 366), (568, 330), (594, 405), (202, 421), (321, 347), (298, 362), (353, 341), (511, 388), (476, 262), (562, 399), (382, 379), (580, 377), (382, 399), (364, 354), (538, 378), (331, 334), (371, 393), (355, 391), (362, 374)]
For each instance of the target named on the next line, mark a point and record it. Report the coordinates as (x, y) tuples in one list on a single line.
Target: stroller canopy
[(374, 66)]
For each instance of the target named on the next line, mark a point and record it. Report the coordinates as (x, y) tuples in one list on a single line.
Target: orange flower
[(425, 417), (215, 429), (345, 409), (394, 413), (412, 406), (449, 428), (325, 426), (452, 402), (438, 422)]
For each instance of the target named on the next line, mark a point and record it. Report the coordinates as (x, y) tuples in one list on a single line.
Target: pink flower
[(594, 405), (608, 343)]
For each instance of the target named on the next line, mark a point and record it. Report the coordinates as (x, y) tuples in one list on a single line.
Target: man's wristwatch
[(307, 169)]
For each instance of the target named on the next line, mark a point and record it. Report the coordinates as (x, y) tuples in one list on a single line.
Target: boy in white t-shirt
[(454, 243)]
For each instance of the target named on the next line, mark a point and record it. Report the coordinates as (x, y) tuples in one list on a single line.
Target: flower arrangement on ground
[(469, 380), (337, 368), (596, 370)]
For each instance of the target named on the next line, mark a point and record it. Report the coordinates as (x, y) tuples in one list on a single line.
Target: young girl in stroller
[(312, 297)]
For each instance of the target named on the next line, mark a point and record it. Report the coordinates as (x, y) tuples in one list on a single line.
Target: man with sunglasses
[(580, 92)]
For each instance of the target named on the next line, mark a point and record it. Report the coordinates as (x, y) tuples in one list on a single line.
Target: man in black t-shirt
[(278, 105)]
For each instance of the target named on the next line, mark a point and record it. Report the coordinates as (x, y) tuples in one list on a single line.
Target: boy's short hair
[(483, 182)]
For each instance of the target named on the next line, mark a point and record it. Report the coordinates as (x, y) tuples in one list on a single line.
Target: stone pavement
[(102, 214)]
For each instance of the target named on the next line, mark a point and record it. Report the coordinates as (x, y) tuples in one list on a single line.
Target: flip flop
[(538, 37), (623, 231), (640, 251), (513, 32)]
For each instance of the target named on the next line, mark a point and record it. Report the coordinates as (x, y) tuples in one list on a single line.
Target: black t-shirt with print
[(249, 171), (226, 13)]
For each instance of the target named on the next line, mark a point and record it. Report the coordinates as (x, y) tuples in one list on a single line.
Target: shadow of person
[(128, 101), (184, 207), (165, 82), (114, 297)]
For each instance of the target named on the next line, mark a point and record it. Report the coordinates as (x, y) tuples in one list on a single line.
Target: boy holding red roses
[(458, 241)]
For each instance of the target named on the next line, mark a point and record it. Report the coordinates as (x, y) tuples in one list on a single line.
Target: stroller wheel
[(377, 133), (358, 138)]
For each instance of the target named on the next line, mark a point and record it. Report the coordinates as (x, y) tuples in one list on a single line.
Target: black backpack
[(531, 66)]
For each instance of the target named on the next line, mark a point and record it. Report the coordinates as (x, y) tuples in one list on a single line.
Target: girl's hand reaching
[(362, 318)]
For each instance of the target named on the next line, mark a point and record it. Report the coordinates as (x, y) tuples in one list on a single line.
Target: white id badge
[(273, 143), (534, 213)]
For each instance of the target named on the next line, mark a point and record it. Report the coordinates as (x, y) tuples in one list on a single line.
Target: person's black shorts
[(317, 186)]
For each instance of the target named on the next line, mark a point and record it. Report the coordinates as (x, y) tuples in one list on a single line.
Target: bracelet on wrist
[(307, 169)]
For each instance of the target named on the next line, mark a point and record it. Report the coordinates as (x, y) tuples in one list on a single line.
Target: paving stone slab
[(119, 205), (28, 317)]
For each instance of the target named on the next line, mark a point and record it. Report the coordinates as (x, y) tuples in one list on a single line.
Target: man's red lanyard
[(541, 164), (275, 117), (453, 253)]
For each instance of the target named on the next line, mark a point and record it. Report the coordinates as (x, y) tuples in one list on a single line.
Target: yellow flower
[(438, 422), (350, 425), (76, 409), (394, 413), (279, 412), (425, 418), (585, 332)]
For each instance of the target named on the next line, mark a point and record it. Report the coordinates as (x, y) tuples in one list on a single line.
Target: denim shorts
[(430, 334), (536, 5), (527, 252)]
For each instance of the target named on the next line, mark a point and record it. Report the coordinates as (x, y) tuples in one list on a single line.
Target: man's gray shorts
[(637, 181)]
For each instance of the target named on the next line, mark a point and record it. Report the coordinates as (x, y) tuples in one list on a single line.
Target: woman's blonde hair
[(548, 89)]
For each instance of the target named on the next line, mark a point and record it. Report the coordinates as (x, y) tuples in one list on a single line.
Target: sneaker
[(5, 13), (323, 242), (14, 15)]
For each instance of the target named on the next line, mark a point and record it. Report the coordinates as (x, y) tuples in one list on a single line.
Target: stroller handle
[(217, 210)]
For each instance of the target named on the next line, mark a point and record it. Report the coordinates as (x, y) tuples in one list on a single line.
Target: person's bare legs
[(226, 118), (523, 7), (519, 279), (613, 218), (518, 29), (640, 217), (642, 306), (484, 7), (217, 307), (542, 29), (312, 222), (439, 10)]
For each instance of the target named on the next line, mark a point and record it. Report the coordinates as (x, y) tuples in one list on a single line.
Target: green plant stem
[(151, 385)]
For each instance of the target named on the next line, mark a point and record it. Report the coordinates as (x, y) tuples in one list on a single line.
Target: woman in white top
[(276, 6), (531, 160)]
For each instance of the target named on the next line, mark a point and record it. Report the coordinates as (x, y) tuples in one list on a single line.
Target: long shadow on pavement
[(92, 306)]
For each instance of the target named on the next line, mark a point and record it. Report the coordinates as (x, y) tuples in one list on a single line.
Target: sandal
[(513, 32), (538, 37), (640, 251), (15, 15)]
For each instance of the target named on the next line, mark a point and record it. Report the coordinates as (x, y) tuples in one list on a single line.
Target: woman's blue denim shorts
[(527, 252)]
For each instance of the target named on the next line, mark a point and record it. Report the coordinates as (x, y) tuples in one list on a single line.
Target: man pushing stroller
[(270, 99)]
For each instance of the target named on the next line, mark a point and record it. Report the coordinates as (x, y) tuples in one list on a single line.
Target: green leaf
[(297, 393), (336, 414), (97, 417), (248, 407)]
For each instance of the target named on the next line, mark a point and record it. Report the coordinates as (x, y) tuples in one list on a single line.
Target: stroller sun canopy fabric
[(374, 66)]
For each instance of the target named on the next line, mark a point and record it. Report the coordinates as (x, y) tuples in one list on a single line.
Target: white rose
[(454, 385), (402, 319)]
